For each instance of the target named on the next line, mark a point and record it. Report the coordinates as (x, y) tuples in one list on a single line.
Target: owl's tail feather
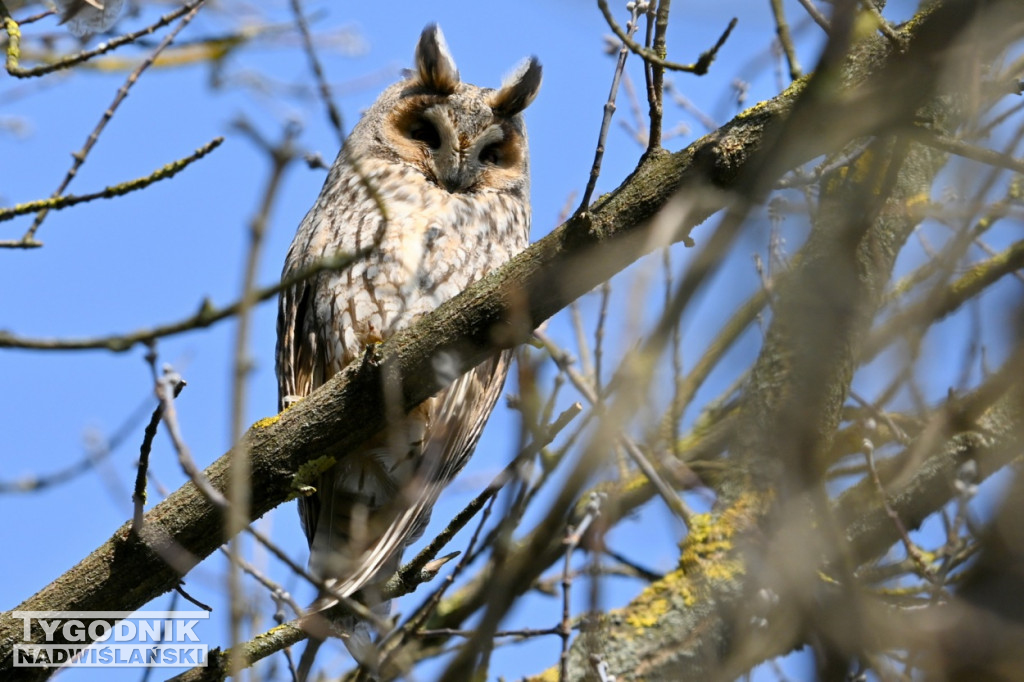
[(355, 632)]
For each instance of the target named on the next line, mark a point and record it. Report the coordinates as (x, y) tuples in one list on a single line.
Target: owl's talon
[(372, 355)]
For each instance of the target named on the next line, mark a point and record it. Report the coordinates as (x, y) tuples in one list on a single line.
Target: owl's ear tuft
[(518, 89), (435, 66)]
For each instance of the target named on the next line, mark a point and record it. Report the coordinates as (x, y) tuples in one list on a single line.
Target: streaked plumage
[(449, 162)]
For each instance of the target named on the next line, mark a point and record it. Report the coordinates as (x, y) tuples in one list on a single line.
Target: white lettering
[(48, 627), (185, 630), (149, 629), (74, 631), (95, 634), (124, 631)]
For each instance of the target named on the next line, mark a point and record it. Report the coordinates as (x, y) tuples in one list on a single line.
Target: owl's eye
[(426, 132), (491, 154)]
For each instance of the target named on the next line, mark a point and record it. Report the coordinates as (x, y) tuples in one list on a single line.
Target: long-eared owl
[(433, 183)]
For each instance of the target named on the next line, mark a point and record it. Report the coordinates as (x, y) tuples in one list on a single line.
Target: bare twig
[(924, 570), (57, 202), (206, 316), (14, 44), (609, 110), (816, 14), (281, 156), (167, 386), (36, 17), (277, 591), (700, 67), (968, 151), (655, 85), (95, 454), (139, 494), (333, 115), (883, 26), (785, 39), (180, 589), (599, 336), (674, 502), (391, 643), (79, 157)]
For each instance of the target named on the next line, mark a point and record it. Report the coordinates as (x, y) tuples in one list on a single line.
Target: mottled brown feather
[(452, 213)]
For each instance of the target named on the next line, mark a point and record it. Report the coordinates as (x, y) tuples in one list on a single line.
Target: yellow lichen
[(633, 483), (656, 600), (710, 539), (549, 675), (642, 619), (307, 476), (266, 421), (758, 109), (724, 570)]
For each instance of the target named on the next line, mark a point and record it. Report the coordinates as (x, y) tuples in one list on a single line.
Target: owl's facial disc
[(458, 142), (457, 162)]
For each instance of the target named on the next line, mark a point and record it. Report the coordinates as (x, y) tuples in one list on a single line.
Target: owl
[(434, 183)]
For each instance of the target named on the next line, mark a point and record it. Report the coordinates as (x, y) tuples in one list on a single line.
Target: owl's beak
[(453, 169), (457, 181)]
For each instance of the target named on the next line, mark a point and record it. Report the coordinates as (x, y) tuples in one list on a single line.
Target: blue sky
[(153, 256)]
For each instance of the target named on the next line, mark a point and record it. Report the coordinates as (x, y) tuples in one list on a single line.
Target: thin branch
[(967, 151), (80, 156), (36, 17), (276, 590), (521, 632), (139, 494), (333, 115), (58, 202), (281, 157), (394, 639), (816, 15), (428, 553), (573, 535), (785, 39), (14, 43), (94, 456), (946, 300), (883, 26), (609, 110), (655, 90), (672, 500), (207, 315), (924, 570), (700, 67), (167, 386)]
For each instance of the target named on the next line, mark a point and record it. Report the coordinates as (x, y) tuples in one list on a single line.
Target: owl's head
[(463, 138)]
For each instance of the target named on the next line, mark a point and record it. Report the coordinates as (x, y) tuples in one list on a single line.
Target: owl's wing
[(462, 410), (455, 420), (301, 363)]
